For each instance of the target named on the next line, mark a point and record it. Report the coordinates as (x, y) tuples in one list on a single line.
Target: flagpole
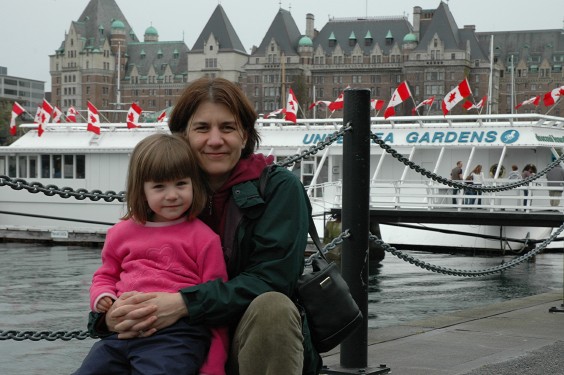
[(314, 108), (512, 86), (490, 84), (84, 118)]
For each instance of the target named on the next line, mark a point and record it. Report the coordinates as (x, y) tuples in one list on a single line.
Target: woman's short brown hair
[(221, 91), (161, 157)]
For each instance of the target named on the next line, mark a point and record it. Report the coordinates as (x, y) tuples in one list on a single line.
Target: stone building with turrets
[(102, 61)]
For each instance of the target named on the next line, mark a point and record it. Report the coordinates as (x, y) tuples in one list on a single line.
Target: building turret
[(151, 35)]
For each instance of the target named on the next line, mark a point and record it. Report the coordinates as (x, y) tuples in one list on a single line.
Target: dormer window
[(332, 40), (352, 39)]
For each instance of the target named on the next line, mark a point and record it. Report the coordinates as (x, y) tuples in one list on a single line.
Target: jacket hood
[(247, 169)]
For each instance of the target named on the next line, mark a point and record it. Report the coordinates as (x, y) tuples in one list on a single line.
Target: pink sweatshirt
[(163, 257)]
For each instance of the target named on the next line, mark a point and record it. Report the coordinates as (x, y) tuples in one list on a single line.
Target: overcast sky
[(31, 30)]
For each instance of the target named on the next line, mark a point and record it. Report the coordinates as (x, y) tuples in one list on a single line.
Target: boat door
[(309, 169)]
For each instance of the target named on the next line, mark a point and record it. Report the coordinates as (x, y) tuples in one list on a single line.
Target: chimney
[(309, 26), (417, 21)]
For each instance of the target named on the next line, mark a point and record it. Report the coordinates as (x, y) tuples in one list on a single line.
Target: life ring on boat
[(493, 168)]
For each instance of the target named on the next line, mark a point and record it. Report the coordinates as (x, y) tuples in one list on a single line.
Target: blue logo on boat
[(509, 136)]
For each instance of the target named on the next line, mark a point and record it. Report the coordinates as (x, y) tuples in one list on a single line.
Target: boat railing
[(515, 119), (422, 195)]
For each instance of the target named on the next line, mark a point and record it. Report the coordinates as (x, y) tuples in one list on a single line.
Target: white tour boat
[(68, 156)]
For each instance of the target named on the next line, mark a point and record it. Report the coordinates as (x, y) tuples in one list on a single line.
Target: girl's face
[(168, 200), (217, 141)]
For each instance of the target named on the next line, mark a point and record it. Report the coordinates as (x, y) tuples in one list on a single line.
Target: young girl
[(159, 246)]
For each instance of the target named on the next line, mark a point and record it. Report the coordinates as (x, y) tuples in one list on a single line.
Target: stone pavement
[(519, 336)]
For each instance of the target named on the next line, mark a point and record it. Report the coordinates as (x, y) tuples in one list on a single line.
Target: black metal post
[(356, 217)]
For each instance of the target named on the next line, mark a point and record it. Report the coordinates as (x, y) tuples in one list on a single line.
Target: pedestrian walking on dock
[(159, 246), (264, 249), (555, 178)]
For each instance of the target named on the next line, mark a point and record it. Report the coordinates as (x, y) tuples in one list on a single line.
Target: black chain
[(65, 192), (466, 273), (43, 335), (460, 185), (290, 160)]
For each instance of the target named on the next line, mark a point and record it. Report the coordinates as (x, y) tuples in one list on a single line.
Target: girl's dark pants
[(178, 349)]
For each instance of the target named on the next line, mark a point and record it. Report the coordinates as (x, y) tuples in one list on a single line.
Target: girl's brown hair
[(158, 158), (220, 91)]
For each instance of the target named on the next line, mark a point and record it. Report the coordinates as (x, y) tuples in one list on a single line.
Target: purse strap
[(263, 179)]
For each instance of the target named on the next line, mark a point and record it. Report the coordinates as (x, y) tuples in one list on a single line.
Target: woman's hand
[(136, 314)]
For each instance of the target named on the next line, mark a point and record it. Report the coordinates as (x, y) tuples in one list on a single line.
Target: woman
[(263, 264), (477, 179)]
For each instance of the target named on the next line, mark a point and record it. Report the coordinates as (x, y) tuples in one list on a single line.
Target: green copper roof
[(409, 38), (117, 24), (305, 41), (151, 31)]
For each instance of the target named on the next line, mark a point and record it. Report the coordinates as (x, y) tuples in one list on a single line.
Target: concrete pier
[(519, 336)]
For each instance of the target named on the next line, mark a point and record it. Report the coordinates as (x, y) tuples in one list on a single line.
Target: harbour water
[(46, 288)]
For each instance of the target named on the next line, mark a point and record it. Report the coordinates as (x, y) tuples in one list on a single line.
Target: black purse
[(331, 312)]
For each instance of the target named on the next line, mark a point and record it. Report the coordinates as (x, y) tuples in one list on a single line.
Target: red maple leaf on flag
[(452, 97), (43, 118), (93, 119), (130, 117)]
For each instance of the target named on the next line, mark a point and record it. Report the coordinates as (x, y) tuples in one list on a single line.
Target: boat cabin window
[(43, 166)]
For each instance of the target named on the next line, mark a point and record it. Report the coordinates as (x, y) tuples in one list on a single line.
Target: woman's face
[(217, 141)]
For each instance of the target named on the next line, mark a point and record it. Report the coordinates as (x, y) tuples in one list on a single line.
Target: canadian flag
[(162, 117), (57, 114), (276, 112), (292, 107), (469, 105), (44, 116), (428, 102), (534, 100), (93, 119), (37, 118), (16, 111), (71, 114), (377, 104), (552, 97), (455, 96), (133, 116), (338, 103), (319, 102), (401, 94)]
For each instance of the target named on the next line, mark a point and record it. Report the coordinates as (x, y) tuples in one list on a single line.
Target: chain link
[(330, 246), (451, 183), (65, 192), (43, 335), (466, 273), (327, 141)]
